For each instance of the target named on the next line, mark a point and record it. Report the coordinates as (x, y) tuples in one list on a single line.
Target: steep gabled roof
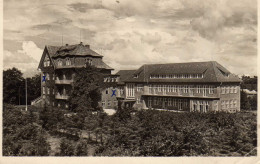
[(76, 50), (212, 72)]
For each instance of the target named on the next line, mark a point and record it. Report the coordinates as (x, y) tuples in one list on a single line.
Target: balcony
[(57, 81), (62, 97)]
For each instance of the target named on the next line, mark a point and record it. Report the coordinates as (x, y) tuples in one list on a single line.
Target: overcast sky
[(132, 33)]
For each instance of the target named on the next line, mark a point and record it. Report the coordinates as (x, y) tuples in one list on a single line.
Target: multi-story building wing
[(57, 67), (197, 86)]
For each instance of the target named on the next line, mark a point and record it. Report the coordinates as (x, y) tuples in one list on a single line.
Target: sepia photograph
[(122, 78)]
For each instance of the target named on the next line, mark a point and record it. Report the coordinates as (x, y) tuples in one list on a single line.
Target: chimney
[(67, 44), (81, 43), (87, 45)]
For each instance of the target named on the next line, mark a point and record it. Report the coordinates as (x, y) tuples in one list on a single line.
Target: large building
[(197, 86), (57, 67)]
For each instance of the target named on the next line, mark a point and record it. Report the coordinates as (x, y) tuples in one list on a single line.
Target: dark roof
[(212, 72), (124, 74), (76, 50), (52, 50), (103, 66)]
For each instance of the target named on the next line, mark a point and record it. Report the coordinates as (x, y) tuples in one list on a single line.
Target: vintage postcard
[(127, 79)]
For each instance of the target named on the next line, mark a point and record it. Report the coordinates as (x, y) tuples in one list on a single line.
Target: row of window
[(228, 89), (177, 76), (167, 102), (182, 88), (227, 104), (110, 79), (199, 105), (48, 90), (109, 103), (68, 62)]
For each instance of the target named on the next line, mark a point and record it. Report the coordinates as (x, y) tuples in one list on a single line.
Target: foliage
[(12, 81), (86, 91), (157, 133), (14, 87), (22, 136)]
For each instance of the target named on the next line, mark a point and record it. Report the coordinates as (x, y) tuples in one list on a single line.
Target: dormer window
[(68, 61), (59, 62), (135, 76), (88, 61)]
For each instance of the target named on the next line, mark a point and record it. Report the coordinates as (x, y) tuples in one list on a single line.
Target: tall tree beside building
[(12, 86), (86, 92)]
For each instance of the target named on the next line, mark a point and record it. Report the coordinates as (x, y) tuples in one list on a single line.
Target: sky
[(132, 33)]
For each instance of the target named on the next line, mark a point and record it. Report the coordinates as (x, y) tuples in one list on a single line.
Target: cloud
[(132, 33), (26, 59)]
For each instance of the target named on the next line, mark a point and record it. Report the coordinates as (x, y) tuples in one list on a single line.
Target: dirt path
[(54, 144)]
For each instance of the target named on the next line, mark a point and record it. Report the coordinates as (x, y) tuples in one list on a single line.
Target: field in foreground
[(55, 132)]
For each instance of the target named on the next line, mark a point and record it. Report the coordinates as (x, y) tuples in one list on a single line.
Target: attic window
[(88, 61), (135, 76), (59, 62), (68, 61)]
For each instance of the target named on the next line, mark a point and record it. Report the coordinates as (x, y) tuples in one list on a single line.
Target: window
[(47, 76), (88, 61), (149, 102), (53, 91), (227, 90), (159, 88), (231, 89), (169, 88), (106, 91), (154, 88), (140, 87), (231, 104), (222, 90), (211, 89), (109, 103), (48, 90), (198, 88), (227, 104), (235, 103), (164, 88), (68, 61), (53, 104), (222, 104), (155, 101), (207, 106), (235, 89), (121, 90), (115, 103), (103, 103), (138, 100), (43, 90), (150, 89), (58, 104), (159, 101), (186, 88), (130, 90), (169, 102), (59, 62)]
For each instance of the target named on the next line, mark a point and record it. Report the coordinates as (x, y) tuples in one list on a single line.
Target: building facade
[(57, 67), (198, 86)]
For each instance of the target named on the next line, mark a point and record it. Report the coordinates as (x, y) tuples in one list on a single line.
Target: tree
[(12, 82), (245, 104), (33, 87), (86, 92)]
